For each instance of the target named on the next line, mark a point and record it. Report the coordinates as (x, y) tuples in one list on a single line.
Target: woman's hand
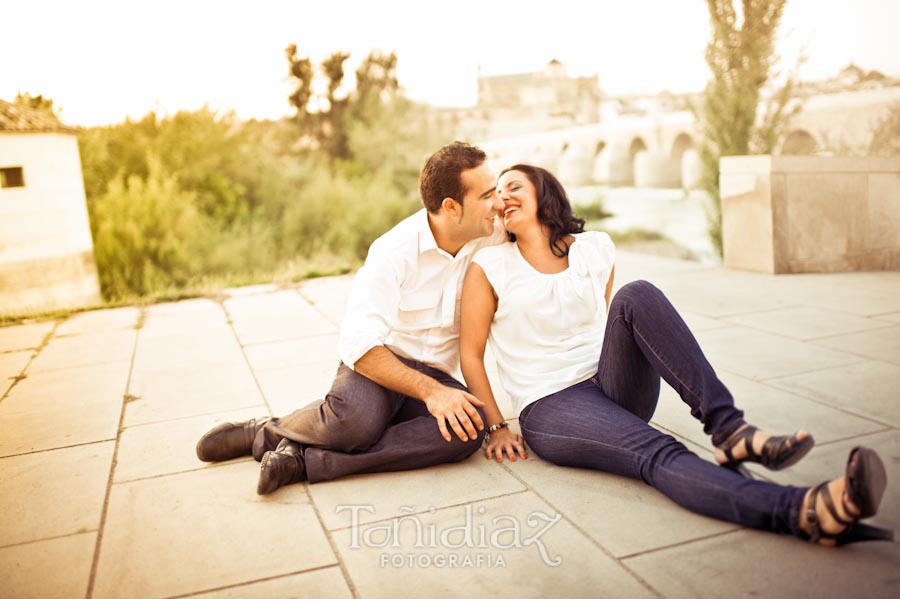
[(502, 440)]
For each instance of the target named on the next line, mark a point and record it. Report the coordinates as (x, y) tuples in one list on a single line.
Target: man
[(393, 404)]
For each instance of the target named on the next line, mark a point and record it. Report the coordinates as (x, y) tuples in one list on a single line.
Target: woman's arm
[(477, 312), (609, 286)]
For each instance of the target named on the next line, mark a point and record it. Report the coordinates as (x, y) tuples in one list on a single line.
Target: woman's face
[(519, 201)]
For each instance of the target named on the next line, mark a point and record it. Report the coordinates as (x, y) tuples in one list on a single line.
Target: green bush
[(147, 234)]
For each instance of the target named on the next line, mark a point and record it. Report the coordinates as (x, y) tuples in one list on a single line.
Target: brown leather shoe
[(229, 440), (283, 466)]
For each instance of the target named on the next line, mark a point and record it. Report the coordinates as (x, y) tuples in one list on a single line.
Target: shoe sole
[(265, 486), (873, 478)]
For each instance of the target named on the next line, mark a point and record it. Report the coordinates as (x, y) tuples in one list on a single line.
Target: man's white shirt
[(406, 296)]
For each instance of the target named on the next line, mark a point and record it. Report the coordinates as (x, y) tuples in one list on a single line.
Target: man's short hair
[(441, 177)]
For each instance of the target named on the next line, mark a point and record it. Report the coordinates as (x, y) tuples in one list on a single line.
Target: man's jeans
[(601, 423), (362, 427)]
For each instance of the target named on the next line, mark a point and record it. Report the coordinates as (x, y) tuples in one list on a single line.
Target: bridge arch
[(799, 142)]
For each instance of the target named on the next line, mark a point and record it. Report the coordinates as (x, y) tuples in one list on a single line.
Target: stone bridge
[(661, 150)]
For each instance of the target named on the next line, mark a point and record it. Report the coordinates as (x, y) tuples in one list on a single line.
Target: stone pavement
[(101, 494)]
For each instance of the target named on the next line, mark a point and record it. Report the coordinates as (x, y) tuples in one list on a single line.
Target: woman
[(544, 300)]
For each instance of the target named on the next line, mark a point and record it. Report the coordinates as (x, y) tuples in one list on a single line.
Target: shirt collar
[(427, 242), (426, 237)]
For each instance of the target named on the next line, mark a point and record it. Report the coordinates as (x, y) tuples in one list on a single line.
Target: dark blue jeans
[(602, 424), (362, 427)]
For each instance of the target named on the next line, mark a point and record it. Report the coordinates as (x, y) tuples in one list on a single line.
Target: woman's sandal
[(864, 485), (777, 452)]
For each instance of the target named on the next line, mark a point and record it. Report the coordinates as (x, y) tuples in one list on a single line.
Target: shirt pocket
[(420, 309)]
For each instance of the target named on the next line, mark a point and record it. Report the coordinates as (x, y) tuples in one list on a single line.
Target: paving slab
[(196, 315), (868, 388), (772, 410), (77, 351), (758, 355), (24, 336), (695, 322), (385, 563), (716, 293), (623, 515), (864, 294), (390, 494), (289, 354), (180, 392), (95, 321), (50, 569), (329, 295), (169, 447), (214, 346), (53, 493), (60, 408), (204, 530), (276, 316), (756, 564), (804, 323), (881, 344), (12, 363), (327, 583)]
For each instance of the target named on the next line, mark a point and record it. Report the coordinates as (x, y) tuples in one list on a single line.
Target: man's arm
[(446, 404)]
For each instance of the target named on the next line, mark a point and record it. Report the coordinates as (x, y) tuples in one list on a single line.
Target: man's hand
[(457, 407), (502, 440)]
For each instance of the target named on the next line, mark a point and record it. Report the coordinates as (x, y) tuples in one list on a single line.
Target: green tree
[(325, 119), (147, 234), (741, 56), (38, 102)]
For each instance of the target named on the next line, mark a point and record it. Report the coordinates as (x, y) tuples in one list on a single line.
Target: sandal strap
[(812, 517), (829, 505), (730, 444)]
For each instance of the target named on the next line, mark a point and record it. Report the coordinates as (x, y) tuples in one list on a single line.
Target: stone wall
[(784, 214), (46, 250)]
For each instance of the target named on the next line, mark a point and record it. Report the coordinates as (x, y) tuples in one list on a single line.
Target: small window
[(12, 177)]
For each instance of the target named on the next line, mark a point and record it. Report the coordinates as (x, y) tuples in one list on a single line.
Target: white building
[(46, 250)]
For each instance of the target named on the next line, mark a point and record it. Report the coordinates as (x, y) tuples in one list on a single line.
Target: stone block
[(170, 447), (623, 515), (327, 583), (392, 494), (94, 321), (203, 530), (53, 493), (24, 336), (61, 408), (810, 214), (558, 562), (50, 569), (111, 347), (751, 563)]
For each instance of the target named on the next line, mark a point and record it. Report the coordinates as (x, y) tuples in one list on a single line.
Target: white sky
[(103, 60)]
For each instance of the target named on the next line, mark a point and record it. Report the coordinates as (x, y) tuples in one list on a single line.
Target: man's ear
[(451, 206)]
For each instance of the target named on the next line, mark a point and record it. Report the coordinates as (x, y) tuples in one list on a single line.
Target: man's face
[(481, 202)]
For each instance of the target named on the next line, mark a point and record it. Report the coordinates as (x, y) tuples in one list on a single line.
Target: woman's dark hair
[(554, 209)]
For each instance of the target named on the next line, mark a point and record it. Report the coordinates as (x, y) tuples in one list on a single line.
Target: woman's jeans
[(601, 423)]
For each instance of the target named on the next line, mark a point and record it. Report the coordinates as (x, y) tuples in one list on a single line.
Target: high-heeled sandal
[(865, 480), (777, 452)]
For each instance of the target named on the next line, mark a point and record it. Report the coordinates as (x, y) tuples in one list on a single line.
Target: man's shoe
[(229, 440), (283, 466)]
